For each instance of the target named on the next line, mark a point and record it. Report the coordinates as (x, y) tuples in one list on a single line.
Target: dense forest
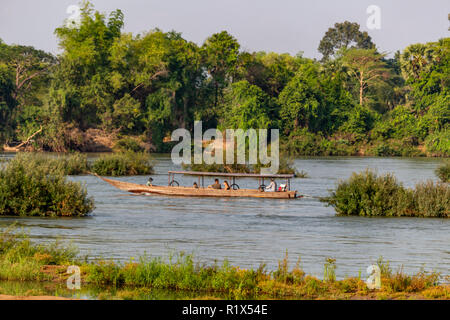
[(108, 88)]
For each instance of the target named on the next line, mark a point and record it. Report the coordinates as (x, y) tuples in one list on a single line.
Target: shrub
[(303, 142), (30, 187), (71, 164), (443, 172), (366, 194), (432, 199), (123, 164), (128, 144), (439, 143)]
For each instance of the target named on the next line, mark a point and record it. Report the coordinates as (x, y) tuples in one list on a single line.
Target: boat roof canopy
[(240, 175)]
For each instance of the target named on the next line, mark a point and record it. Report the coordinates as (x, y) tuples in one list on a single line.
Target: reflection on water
[(88, 292), (249, 232)]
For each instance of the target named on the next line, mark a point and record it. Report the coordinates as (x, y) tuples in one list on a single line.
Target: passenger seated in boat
[(195, 185), (226, 185), (150, 182), (272, 186), (215, 185)]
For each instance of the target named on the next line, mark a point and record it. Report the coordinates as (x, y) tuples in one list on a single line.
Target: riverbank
[(9, 297), (261, 229), (22, 260)]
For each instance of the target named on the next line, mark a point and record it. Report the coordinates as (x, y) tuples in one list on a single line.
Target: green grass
[(30, 186), (367, 194), (20, 259), (123, 164)]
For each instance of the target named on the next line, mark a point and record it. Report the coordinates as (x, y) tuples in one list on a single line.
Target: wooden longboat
[(173, 189)]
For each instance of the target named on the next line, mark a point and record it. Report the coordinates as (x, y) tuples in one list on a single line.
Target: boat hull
[(198, 192)]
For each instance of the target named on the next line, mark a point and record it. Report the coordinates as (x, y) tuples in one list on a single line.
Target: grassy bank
[(368, 194), (114, 164), (20, 259), (30, 186)]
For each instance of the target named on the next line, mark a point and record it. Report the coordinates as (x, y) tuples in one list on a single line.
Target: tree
[(344, 35), (83, 76), (302, 101), (24, 73), (7, 102), (271, 71), (221, 53), (247, 106), (415, 59), (367, 67)]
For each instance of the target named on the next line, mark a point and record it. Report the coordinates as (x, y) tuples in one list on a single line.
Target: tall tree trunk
[(361, 89), (217, 94), (185, 111)]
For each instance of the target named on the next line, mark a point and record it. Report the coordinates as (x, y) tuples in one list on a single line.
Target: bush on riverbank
[(123, 164), (126, 144), (22, 260), (30, 186), (443, 172), (69, 164), (367, 194)]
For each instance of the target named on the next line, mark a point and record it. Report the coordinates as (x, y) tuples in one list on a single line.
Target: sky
[(259, 25)]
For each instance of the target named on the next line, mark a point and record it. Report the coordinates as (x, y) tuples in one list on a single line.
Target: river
[(248, 232)]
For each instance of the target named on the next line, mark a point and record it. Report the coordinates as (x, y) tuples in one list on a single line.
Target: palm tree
[(415, 59)]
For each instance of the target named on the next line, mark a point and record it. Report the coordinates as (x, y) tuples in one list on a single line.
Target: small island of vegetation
[(32, 187), (369, 194)]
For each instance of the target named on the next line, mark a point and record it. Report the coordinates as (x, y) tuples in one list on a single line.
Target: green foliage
[(344, 35), (123, 164), (247, 106), (129, 144), (68, 164), (393, 148), (367, 67), (303, 142), (302, 101), (20, 259), (443, 172), (367, 194), (439, 143), (329, 273), (359, 121), (149, 84), (221, 57), (31, 187)]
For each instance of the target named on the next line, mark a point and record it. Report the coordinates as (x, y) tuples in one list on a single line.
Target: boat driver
[(272, 186), (215, 185)]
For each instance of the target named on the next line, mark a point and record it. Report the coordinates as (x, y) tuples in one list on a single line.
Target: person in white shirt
[(272, 186)]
